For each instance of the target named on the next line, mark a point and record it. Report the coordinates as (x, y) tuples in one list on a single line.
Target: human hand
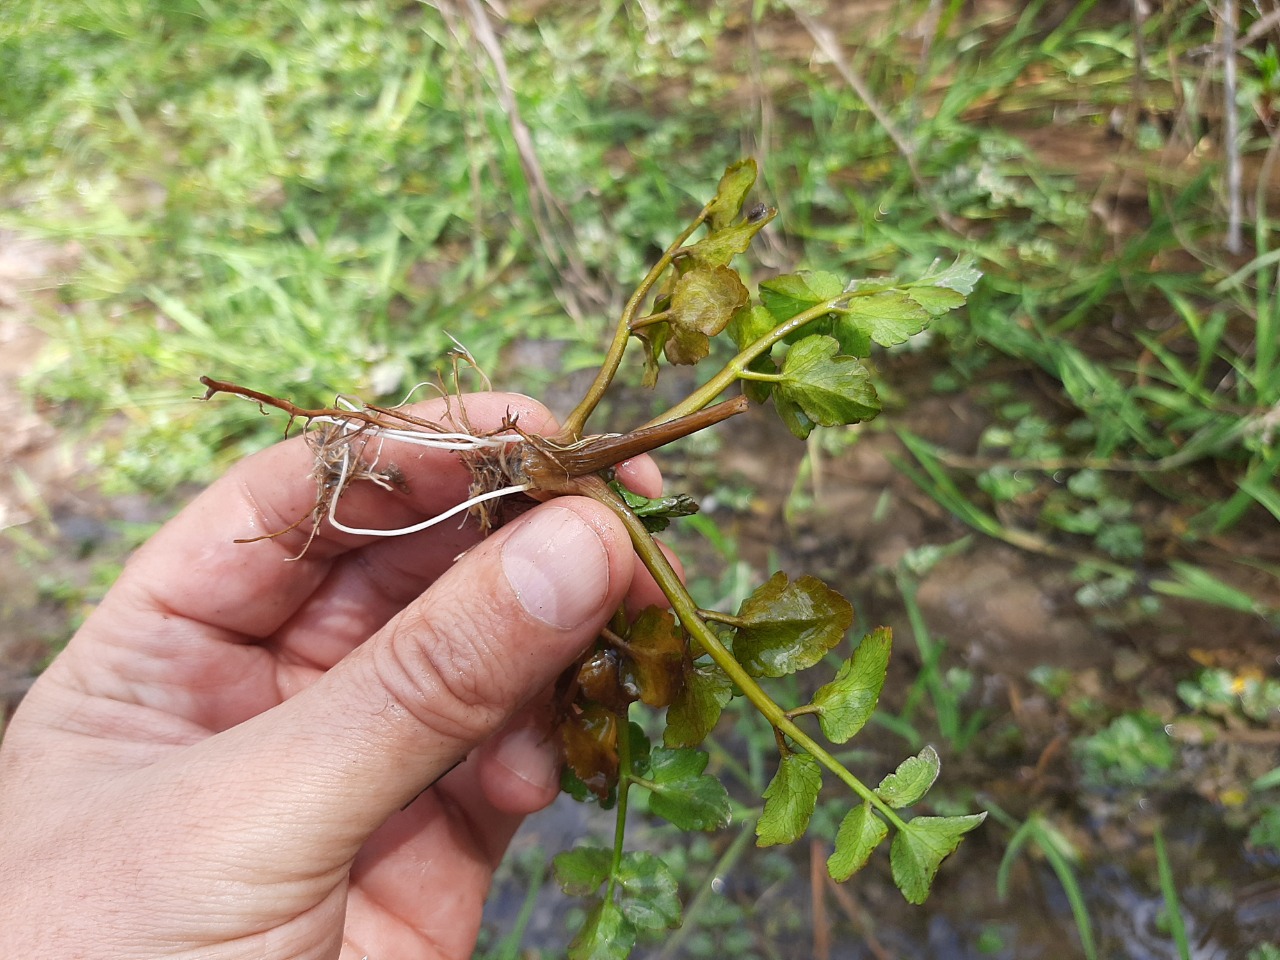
[(224, 761)]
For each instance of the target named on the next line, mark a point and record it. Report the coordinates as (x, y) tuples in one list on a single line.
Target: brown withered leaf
[(600, 680), (656, 657), (591, 748)]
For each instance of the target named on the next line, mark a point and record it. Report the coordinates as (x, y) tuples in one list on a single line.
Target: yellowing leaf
[(723, 244), (919, 850), (787, 626), (847, 702), (705, 298), (734, 186), (789, 800), (911, 780), (829, 389), (860, 833)]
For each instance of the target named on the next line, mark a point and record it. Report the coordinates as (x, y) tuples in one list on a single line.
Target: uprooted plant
[(801, 344)]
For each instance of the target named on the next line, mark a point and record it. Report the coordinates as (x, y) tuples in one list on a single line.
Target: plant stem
[(736, 368), (577, 419), (625, 778), (687, 611)]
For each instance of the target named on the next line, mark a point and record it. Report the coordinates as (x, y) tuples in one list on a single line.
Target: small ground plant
[(801, 343)]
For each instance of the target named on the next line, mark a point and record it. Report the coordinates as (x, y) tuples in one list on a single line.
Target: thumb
[(439, 679)]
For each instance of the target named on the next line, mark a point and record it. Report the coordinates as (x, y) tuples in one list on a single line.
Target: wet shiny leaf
[(847, 702), (697, 708), (656, 514), (830, 389), (650, 894), (600, 681), (605, 935), (789, 800), (787, 626), (919, 850), (860, 833), (656, 657), (682, 794), (911, 780), (591, 748), (794, 293)]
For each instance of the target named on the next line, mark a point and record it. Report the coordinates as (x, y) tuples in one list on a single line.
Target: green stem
[(625, 778), (651, 319), (577, 419), (728, 619), (737, 367), (687, 611)]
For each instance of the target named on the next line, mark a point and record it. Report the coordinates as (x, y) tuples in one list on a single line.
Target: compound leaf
[(605, 935), (682, 794), (787, 626), (860, 833), (911, 780), (697, 706), (829, 389), (734, 186), (650, 895), (789, 800), (580, 871), (919, 849), (847, 702)]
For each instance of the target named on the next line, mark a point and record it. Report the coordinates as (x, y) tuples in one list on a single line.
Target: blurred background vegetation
[(1068, 512)]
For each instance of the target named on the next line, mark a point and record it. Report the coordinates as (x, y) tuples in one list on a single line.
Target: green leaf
[(787, 626), (889, 317), (749, 324), (650, 895), (936, 300), (789, 800), (656, 514), (794, 293), (919, 850), (722, 245), (605, 935), (734, 186), (789, 412), (654, 338), (706, 298), (697, 707), (961, 277), (682, 794), (829, 389), (860, 833), (847, 702), (580, 871), (911, 780)]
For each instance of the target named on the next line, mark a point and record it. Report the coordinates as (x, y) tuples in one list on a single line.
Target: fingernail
[(557, 566), (532, 756)]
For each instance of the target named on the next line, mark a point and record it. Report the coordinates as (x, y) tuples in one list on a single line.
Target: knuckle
[(445, 675)]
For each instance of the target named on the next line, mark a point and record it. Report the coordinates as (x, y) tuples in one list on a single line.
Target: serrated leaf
[(655, 657), (962, 276), (582, 870), (785, 626), (911, 781), (936, 300), (723, 244), (706, 298), (656, 514), (847, 702), (682, 794), (829, 389), (789, 800), (650, 895), (605, 935), (860, 833), (889, 317), (697, 707), (734, 186), (794, 293), (749, 324), (919, 850)]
